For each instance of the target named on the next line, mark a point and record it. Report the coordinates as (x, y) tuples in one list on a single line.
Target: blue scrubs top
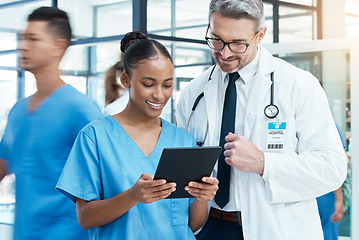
[(105, 161), (36, 145)]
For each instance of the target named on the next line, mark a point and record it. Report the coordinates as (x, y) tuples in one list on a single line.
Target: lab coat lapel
[(211, 99), (259, 96), (260, 92)]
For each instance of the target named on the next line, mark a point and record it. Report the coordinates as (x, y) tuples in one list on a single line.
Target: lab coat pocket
[(179, 211), (304, 213)]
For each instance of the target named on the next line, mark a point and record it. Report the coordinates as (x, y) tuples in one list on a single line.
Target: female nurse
[(108, 172)]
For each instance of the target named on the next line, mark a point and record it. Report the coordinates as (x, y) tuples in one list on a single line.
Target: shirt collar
[(250, 70)]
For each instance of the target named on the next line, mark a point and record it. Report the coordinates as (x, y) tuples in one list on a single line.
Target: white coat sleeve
[(180, 113), (319, 164)]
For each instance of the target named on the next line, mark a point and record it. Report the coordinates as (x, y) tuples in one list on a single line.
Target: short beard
[(225, 67)]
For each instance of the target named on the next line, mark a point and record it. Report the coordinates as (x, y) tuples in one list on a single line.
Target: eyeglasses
[(236, 47)]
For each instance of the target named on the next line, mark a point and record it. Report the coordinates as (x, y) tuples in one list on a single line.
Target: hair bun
[(130, 38)]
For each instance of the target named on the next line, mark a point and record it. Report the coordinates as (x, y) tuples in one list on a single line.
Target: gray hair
[(237, 9)]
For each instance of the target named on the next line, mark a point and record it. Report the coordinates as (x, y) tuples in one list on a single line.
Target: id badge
[(276, 136)]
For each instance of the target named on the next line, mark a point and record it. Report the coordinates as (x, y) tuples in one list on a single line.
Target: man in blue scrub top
[(41, 130), (330, 207)]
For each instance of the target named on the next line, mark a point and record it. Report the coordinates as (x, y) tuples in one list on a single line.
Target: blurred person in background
[(331, 208), (41, 130), (116, 95)]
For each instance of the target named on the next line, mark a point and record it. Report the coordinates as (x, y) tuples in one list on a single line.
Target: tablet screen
[(182, 165)]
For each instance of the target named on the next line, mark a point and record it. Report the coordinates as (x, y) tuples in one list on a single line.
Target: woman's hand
[(147, 190), (100, 212), (203, 191)]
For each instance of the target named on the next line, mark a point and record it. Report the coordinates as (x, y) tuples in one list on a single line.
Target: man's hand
[(339, 209), (240, 153)]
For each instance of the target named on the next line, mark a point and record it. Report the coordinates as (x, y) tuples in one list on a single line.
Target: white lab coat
[(281, 205)]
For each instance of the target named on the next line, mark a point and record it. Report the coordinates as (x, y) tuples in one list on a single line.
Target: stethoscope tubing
[(201, 95), (271, 110), (272, 89)]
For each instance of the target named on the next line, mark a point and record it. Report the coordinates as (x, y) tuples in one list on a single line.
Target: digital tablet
[(182, 165)]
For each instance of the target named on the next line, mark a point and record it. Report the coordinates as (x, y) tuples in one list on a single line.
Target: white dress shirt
[(243, 87)]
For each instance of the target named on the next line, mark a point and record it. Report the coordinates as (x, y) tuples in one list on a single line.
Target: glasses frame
[(228, 43)]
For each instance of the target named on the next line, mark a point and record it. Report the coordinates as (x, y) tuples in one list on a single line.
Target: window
[(290, 31), (8, 87), (302, 2), (352, 19), (98, 18), (268, 12)]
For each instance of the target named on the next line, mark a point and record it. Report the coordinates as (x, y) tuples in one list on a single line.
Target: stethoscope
[(270, 111)]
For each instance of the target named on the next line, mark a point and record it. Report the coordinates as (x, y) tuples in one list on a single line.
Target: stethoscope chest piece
[(271, 111)]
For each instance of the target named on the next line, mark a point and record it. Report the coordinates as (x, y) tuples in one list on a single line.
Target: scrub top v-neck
[(134, 145), (105, 161)]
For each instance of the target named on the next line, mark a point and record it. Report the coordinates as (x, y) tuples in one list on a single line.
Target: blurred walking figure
[(41, 130), (331, 208)]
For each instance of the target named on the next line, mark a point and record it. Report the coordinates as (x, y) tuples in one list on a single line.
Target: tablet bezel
[(182, 165)]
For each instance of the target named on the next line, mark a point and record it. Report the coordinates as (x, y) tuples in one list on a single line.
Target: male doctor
[(276, 159)]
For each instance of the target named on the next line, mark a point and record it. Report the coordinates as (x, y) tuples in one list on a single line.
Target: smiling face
[(234, 30), (150, 85)]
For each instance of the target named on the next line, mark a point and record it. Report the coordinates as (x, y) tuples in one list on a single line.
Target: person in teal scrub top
[(40, 132), (330, 207), (109, 173)]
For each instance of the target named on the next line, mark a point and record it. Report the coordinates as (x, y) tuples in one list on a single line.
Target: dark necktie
[(228, 118)]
